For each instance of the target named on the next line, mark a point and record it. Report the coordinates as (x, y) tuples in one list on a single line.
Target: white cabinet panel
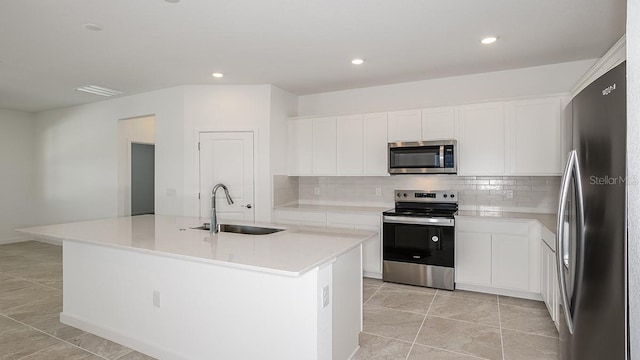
[(535, 137), (439, 123), (324, 146), (481, 134), (371, 249), (473, 258), (548, 287), (510, 261), (350, 145), (300, 138), (405, 125), (375, 144)]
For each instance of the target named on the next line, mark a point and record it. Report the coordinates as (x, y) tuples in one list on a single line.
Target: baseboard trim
[(120, 338), (373, 275), (14, 240), (50, 241), (504, 292)]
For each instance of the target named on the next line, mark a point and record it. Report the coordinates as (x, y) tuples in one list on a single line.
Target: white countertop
[(290, 252), (547, 220), (335, 208)]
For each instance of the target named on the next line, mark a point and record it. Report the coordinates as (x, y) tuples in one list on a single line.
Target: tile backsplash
[(484, 193)]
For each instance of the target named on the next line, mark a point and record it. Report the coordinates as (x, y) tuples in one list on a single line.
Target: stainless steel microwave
[(423, 157)]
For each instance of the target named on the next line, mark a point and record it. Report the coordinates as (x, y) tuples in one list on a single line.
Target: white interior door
[(227, 158)]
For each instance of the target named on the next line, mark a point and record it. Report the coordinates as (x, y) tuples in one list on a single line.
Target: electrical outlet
[(325, 296), (509, 194), (316, 190), (156, 298), (378, 191)]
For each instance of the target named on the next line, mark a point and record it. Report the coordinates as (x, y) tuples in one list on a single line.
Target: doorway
[(136, 166), (227, 158)]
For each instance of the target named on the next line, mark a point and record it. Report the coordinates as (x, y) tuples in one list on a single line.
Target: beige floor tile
[(379, 348), (368, 291), (23, 341), (9, 283), (469, 295), (533, 304), (481, 312), (391, 323), (62, 351), (421, 352), (37, 272), (372, 282), (402, 299), (7, 324), (410, 287), (36, 310), (9, 262), (521, 346), (54, 327), (21, 297), (461, 337), (528, 320), (97, 345), (134, 355)]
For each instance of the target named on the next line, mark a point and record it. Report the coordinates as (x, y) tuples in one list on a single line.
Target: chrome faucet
[(213, 226)]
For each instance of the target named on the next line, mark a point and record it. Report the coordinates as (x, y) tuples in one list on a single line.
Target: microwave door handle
[(442, 156)]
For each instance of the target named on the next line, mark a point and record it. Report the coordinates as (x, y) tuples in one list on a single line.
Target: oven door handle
[(417, 220)]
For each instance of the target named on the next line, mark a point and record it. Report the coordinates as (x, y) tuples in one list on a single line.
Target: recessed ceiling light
[(99, 90), (217, 75), (489, 40), (357, 61), (92, 27)]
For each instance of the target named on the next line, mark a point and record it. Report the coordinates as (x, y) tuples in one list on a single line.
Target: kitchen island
[(156, 285)]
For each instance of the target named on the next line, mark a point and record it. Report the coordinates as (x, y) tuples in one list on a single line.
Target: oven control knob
[(445, 196), (405, 194), (434, 238), (399, 195), (453, 195)]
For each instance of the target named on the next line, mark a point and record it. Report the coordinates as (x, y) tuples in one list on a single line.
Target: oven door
[(427, 241)]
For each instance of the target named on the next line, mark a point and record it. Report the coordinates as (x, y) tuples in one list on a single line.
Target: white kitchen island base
[(220, 304)]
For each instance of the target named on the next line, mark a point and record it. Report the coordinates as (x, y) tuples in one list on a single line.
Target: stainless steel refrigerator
[(591, 244)]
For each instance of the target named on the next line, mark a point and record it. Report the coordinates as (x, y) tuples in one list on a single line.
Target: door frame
[(128, 188), (198, 186)]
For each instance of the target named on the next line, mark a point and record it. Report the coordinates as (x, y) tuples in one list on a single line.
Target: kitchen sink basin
[(242, 229)]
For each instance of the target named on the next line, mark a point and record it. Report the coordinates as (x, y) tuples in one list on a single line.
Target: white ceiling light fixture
[(217, 75), (99, 90), (357, 61), (92, 27), (489, 40)]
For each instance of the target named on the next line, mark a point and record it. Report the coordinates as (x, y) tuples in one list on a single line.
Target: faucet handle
[(248, 206)]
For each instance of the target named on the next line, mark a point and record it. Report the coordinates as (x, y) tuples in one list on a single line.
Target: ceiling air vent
[(98, 90)]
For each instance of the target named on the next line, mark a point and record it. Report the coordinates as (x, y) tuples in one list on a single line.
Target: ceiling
[(303, 46)]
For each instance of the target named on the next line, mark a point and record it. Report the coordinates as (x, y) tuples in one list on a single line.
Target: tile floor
[(30, 304), (407, 322), (400, 322)]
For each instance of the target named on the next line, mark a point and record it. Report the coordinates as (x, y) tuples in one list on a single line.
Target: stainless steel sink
[(242, 229)]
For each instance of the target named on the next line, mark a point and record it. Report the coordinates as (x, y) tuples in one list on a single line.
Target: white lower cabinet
[(371, 249), (548, 279), (500, 256)]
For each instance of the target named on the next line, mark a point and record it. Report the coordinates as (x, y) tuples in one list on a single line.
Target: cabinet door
[(350, 147), (375, 144), (546, 282), (510, 261), (405, 125), (438, 123), (481, 138), (473, 258), (371, 249), (300, 158), (324, 146), (535, 137)]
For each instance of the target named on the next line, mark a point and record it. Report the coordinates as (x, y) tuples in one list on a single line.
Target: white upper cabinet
[(350, 145), (439, 123), (375, 144), (324, 146), (300, 138), (405, 125), (481, 139), (534, 134)]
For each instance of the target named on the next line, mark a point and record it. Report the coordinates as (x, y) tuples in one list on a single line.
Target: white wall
[(228, 108), (76, 156), (533, 81), (633, 171), (16, 181), (283, 105), (139, 130)]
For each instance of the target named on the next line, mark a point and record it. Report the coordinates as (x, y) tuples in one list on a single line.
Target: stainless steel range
[(418, 238)]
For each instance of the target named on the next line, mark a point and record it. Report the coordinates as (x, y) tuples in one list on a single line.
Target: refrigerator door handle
[(572, 171)]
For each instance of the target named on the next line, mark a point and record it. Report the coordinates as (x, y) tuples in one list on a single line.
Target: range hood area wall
[(536, 194)]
